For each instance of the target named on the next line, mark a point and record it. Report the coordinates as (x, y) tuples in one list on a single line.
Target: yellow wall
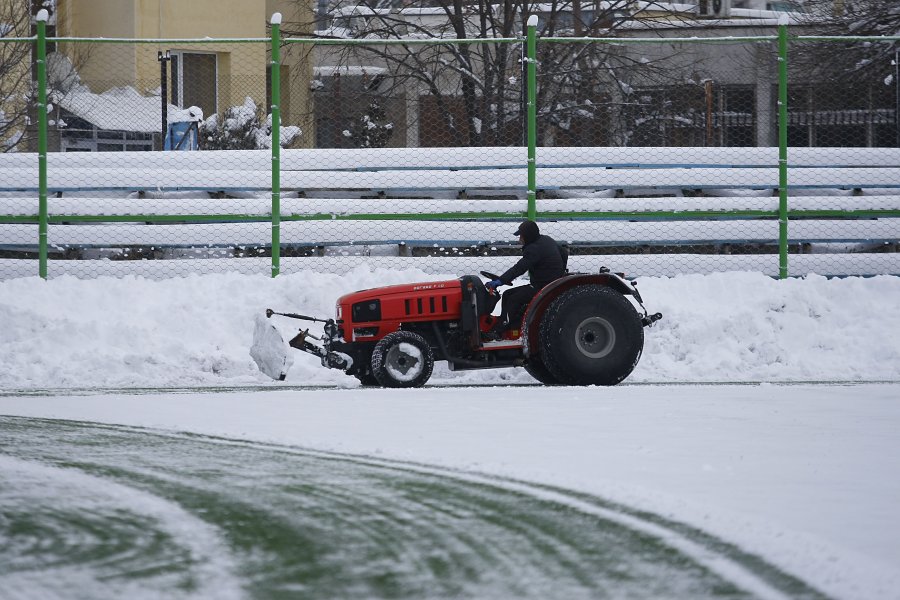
[(96, 18), (109, 65), (240, 67), (199, 18)]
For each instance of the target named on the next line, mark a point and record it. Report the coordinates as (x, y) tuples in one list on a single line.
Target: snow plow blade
[(269, 350)]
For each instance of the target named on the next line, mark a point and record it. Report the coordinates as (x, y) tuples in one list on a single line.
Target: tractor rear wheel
[(402, 359), (537, 369), (591, 335)]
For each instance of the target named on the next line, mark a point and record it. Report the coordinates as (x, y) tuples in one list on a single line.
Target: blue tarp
[(182, 135)]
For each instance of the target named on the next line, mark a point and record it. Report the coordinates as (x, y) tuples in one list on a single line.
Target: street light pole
[(164, 92)]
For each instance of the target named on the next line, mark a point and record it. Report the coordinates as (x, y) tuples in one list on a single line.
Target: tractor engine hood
[(376, 304)]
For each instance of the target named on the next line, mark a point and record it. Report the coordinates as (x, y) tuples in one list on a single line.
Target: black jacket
[(543, 259)]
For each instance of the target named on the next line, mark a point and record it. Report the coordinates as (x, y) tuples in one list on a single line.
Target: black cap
[(528, 230)]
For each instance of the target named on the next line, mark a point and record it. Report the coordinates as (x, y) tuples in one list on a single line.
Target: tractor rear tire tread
[(535, 367), (610, 332)]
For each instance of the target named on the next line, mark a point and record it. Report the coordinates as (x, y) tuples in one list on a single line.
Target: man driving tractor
[(543, 259)]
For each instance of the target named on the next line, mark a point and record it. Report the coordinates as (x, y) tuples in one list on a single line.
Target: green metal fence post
[(782, 148), (531, 59), (41, 21), (275, 67)]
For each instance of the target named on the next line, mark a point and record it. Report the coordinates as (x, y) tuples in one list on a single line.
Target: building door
[(194, 81)]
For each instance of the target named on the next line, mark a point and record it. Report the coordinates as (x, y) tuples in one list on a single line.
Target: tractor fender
[(550, 292)]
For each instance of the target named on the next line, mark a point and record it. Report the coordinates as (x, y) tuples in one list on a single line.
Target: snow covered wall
[(196, 331)]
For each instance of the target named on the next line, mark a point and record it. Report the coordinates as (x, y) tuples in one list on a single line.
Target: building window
[(194, 81), (736, 116), (693, 115)]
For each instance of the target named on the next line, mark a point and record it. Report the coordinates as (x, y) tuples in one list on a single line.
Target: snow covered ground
[(764, 412)]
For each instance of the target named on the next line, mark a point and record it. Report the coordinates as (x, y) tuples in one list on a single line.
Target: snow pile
[(242, 128), (270, 351), (197, 331), (751, 327), (185, 115)]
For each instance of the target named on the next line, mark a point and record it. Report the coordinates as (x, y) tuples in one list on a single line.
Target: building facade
[(108, 93)]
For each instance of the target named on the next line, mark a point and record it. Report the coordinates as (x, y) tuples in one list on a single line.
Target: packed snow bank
[(197, 331)]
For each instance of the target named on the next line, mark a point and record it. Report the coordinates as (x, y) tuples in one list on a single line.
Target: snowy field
[(759, 437)]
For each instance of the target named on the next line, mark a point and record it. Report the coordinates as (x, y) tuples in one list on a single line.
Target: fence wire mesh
[(212, 203), (655, 157), (657, 151), (843, 103)]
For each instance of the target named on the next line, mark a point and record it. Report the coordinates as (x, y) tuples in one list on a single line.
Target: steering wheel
[(491, 277)]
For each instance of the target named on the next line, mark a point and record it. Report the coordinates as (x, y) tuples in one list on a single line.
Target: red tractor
[(581, 329)]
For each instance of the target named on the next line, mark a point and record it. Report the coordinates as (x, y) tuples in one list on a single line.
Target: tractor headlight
[(364, 332)]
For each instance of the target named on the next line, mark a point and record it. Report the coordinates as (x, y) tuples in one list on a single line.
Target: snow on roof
[(751, 13), (120, 108), (347, 70), (723, 23), (193, 113), (664, 7), (358, 10), (639, 6)]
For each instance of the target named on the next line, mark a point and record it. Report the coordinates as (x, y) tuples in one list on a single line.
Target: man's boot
[(496, 332)]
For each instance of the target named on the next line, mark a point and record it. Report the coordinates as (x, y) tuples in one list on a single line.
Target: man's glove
[(494, 284)]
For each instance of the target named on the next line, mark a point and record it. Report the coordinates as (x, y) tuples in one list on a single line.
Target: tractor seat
[(484, 302)]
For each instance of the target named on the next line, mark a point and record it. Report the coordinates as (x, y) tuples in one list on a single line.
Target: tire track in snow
[(262, 520)]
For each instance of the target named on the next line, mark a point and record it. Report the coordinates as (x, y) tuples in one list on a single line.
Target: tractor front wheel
[(402, 359), (367, 379), (591, 335)]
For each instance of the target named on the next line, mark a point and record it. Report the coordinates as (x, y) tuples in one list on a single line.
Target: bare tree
[(844, 92), (476, 88), (18, 72), (850, 61), (15, 73)]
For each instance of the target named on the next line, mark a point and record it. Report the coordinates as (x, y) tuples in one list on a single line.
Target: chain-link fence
[(653, 156), (123, 180)]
